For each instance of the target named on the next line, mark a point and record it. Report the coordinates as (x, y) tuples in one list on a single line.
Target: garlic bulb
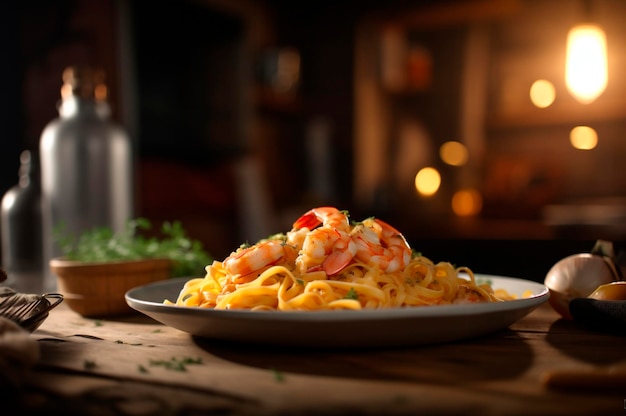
[(577, 276)]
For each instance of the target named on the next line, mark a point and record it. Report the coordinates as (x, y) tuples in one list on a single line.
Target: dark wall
[(10, 104), (185, 63), (524, 259), (39, 39)]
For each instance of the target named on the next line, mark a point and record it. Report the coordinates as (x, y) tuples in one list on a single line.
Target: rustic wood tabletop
[(134, 365)]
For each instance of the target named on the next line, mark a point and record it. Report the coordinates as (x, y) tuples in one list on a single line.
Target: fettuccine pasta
[(327, 263)]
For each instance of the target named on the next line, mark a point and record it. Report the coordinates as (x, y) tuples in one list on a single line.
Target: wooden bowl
[(98, 289)]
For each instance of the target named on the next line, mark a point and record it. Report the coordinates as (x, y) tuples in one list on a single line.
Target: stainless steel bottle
[(87, 170), (21, 229)]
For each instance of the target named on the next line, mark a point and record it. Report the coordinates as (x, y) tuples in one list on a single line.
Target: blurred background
[(452, 120)]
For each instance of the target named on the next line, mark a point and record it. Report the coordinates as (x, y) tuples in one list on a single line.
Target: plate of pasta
[(392, 327), (333, 282)]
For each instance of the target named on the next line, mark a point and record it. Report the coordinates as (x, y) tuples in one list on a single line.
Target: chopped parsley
[(176, 364), (352, 294), (278, 375), (119, 341)]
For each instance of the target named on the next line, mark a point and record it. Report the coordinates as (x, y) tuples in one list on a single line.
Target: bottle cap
[(85, 82)]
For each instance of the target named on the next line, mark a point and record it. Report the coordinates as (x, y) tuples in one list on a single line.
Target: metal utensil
[(27, 310)]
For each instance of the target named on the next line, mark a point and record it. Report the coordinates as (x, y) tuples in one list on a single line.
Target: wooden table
[(134, 365)]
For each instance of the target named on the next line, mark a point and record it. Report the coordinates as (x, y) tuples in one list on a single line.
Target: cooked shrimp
[(255, 258), (296, 237), (379, 244), (328, 247), (328, 217)]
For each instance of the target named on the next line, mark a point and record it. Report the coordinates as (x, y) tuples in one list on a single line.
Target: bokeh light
[(586, 73), (427, 181), (453, 153), (467, 202), (583, 137), (542, 93)]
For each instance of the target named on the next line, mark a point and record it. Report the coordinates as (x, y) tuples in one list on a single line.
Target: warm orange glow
[(542, 93), (586, 73), (583, 137), (427, 181), (453, 153), (66, 91), (100, 92), (467, 202)]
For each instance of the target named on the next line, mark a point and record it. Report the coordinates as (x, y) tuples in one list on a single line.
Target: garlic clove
[(576, 276)]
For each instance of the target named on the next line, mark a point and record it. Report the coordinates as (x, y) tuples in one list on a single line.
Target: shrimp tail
[(336, 262), (312, 218)]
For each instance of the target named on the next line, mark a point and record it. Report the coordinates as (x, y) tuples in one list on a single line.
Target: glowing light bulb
[(467, 202), (453, 153), (586, 73), (542, 93), (427, 181), (583, 137)]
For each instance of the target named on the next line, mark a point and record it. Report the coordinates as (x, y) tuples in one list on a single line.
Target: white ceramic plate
[(340, 329)]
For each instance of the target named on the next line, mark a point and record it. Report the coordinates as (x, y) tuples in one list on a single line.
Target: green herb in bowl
[(101, 244)]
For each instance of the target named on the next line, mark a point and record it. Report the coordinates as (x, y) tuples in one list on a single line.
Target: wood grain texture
[(121, 366)]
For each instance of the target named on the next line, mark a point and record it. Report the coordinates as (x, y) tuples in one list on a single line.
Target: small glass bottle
[(87, 172), (21, 229)]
